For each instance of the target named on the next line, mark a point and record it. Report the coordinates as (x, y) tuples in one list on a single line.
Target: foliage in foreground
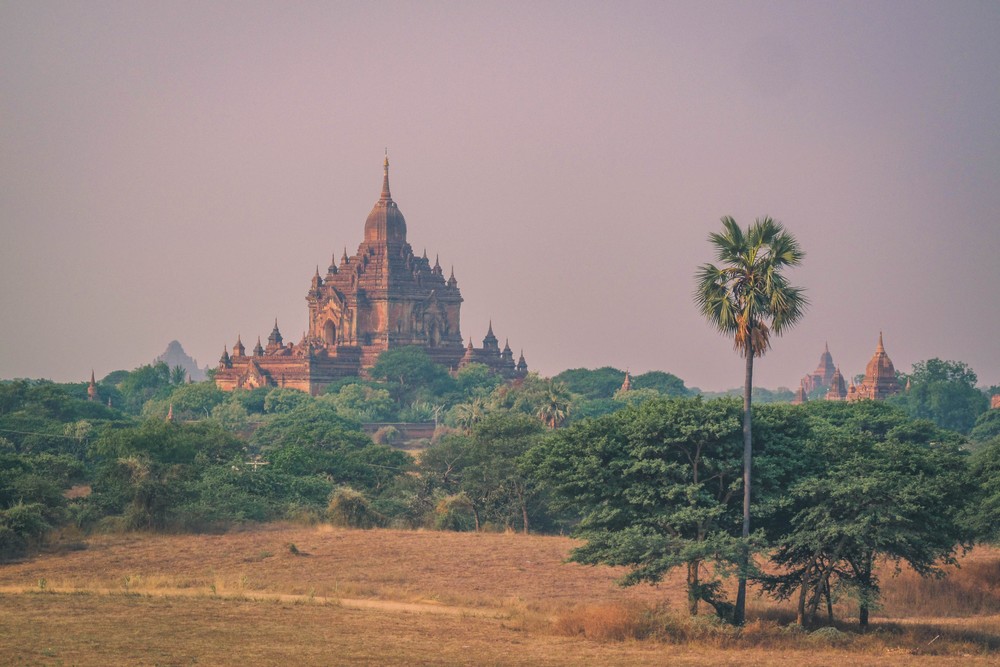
[(839, 486)]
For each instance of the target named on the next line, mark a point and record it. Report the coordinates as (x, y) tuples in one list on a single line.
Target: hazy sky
[(178, 169)]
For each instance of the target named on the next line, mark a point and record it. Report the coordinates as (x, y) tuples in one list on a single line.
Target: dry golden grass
[(473, 569), (423, 597)]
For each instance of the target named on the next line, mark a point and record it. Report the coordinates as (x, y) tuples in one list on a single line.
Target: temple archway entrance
[(330, 333)]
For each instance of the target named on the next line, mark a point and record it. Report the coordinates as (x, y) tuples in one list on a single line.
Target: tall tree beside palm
[(747, 298)]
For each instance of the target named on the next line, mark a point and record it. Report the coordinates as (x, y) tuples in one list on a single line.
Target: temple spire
[(881, 347), (92, 387), (385, 179)]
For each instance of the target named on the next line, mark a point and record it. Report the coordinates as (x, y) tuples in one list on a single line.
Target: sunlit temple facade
[(879, 380), (383, 297)]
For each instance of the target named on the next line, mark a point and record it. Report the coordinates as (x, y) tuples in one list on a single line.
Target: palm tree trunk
[(739, 613)]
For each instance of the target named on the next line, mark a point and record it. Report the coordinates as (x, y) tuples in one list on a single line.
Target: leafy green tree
[(411, 373), (142, 384), (498, 485), (284, 400), (476, 380), (658, 485), (312, 423), (748, 298), (873, 485), (758, 395), (636, 396), (667, 384), (252, 400), (982, 516), (31, 500), (168, 442), (592, 383), (443, 464), (313, 439), (944, 392), (598, 407), (190, 402), (362, 403), (231, 416), (986, 428), (36, 416)]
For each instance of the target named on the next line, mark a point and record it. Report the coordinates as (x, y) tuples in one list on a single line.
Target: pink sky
[(177, 170)]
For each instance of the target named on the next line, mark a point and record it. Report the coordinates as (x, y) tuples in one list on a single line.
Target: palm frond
[(746, 296)]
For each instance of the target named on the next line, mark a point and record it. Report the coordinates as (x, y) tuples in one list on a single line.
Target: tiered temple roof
[(880, 377), (382, 297)]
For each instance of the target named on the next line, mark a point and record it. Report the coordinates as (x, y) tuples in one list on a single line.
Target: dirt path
[(350, 603)]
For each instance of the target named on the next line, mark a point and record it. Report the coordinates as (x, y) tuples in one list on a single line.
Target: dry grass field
[(320, 595)]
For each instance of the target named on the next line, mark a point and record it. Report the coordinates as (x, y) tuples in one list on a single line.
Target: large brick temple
[(384, 297)]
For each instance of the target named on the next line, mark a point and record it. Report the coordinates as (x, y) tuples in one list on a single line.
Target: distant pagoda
[(880, 378)]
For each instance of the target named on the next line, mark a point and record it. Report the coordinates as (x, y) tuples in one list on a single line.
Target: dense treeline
[(650, 478)]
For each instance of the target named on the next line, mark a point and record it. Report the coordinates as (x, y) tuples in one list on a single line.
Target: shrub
[(386, 435), (454, 513), (351, 509)]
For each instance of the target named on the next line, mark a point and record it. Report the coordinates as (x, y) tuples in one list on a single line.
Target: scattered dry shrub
[(351, 509), (972, 589), (607, 622)]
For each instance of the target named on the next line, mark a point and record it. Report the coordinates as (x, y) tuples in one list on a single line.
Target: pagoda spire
[(92, 387), (386, 196), (880, 348)]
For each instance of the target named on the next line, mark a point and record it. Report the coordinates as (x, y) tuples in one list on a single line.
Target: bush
[(454, 513), (21, 527), (386, 435), (351, 509)]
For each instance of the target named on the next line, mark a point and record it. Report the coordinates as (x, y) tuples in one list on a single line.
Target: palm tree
[(467, 415), (555, 405), (748, 299), (178, 375)]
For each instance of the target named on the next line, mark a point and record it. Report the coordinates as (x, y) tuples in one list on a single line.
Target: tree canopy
[(658, 486), (944, 392)]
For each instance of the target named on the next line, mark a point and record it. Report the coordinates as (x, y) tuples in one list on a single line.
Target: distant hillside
[(175, 355)]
